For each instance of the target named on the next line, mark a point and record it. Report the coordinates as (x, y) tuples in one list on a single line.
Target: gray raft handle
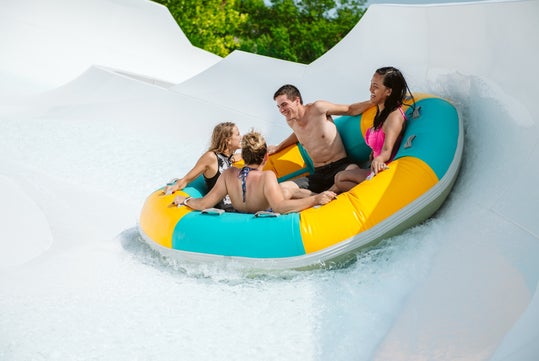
[(409, 141), (213, 211), (415, 113), (266, 214)]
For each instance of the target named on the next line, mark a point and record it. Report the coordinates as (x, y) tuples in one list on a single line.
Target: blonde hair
[(253, 148), (221, 133)]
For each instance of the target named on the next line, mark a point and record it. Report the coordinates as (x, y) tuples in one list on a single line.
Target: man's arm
[(358, 108), (342, 109), (291, 140), (200, 167)]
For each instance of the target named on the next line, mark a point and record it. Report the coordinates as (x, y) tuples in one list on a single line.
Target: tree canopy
[(295, 30)]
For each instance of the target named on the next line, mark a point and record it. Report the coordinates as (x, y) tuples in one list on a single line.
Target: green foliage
[(295, 30), (209, 24)]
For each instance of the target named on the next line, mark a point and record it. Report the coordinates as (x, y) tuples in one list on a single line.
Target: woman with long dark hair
[(388, 92)]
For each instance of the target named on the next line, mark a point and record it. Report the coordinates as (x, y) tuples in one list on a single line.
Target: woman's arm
[(214, 196), (203, 164), (392, 128)]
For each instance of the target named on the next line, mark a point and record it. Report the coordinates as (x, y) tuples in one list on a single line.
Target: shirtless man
[(314, 128), (252, 189)]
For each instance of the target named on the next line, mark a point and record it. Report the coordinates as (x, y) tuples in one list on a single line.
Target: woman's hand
[(171, 188), (174, 186), (178, 201), (272, 149), (377, 165)]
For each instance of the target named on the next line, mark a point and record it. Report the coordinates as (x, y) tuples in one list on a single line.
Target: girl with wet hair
[(225, 140)]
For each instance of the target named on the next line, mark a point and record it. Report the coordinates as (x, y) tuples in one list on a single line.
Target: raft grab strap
[(415, 113), (266, 214), (409, 141), (212, 211)]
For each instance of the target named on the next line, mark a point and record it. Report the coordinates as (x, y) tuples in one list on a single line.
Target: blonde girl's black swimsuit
[(223, 162)]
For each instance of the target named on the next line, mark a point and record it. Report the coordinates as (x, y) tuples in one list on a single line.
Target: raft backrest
[(349, 128)]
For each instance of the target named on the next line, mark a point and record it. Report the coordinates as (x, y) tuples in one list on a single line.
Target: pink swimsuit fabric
[(375, 140)]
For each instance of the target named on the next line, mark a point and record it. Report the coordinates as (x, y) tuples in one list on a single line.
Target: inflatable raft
[(416, 184)]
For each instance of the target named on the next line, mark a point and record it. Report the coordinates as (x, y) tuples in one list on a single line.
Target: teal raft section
[(263, 237), (349, 128)]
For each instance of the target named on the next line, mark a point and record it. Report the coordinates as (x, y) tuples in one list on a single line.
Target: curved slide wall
[(45, 44), (479, 300)]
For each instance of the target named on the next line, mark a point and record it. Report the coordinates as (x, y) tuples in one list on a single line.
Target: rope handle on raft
[(218, 212), (266, 214), (416, 112), (212, 211), (170, 183), (409, 141)]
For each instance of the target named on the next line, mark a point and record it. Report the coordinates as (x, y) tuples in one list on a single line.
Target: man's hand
[(272, 149)]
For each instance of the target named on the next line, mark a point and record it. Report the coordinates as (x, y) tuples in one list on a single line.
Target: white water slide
[(102, 101)]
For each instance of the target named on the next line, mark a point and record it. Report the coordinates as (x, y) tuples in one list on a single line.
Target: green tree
[(295, 30), (209, 24)]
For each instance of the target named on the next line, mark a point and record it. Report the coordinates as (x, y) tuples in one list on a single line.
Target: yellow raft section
[(365, 205), (158, 218)]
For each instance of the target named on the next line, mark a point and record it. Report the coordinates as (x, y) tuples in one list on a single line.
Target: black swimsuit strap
[(226, 159)]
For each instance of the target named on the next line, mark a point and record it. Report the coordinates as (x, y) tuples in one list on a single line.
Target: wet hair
[(221, 133), (253, 148), (394, 80), (290, 91)]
